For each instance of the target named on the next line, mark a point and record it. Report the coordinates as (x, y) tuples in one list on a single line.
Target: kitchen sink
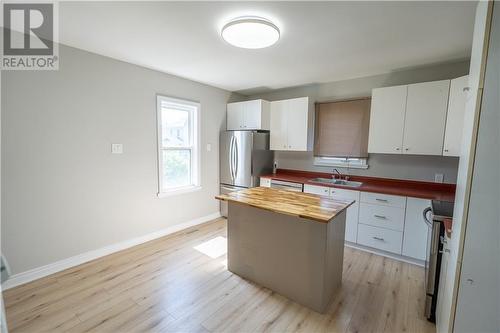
[(341, 182)]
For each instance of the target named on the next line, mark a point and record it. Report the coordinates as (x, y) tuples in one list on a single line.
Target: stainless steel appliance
[(288, 186), (244, 157), (439, 211)]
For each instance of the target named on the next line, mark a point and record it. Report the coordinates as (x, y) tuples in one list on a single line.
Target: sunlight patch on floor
[(213, 248)]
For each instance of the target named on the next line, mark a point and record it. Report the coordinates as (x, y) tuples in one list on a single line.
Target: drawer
[(382, 216), (314, 189), (338, 193), (383, 199), (379, 238)]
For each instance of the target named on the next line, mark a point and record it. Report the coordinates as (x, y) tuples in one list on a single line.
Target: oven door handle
[(426, 220)]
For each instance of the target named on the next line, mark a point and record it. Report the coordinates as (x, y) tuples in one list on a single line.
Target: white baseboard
[(386, 254), (37, 273)]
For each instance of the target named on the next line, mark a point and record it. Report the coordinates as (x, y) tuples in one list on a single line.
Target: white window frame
[(194, 129), (342, 162)]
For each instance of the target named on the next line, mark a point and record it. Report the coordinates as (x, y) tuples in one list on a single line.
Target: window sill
[(178, 191), (340, 165)]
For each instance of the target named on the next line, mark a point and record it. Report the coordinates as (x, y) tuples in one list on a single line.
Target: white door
[(425, 119), (278, 126), (252, 115), (297, 111), (455, 116), (235, 116), (387, 118), (415, 229), (351, 219)]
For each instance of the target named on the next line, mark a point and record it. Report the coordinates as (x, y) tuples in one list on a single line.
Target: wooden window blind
[(342, 128)]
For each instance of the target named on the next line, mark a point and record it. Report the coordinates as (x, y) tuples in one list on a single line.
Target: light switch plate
[(438, 178), (209, 147), (116, 148)]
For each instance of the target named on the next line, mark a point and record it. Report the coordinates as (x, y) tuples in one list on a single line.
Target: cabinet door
[(265, 182), (235, 116), (278, 126), (252, 115), (314, 189), (297, 111), (415, 229), (351, 219), (387, 117), (425, 119), (455, 116)]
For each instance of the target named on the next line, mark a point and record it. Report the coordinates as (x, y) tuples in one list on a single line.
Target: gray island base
[(296, 257)]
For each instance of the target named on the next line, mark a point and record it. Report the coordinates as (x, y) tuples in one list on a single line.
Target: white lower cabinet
[(320, 190), (380, 238), (351, 223), (416, 230), (390, 223), (352, 216), (382, 216), (265, 182)]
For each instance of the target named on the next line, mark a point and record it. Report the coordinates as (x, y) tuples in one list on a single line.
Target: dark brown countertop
[(408, 188)]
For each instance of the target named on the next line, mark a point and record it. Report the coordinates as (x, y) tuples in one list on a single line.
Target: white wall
[(63, 192), (389, 166)]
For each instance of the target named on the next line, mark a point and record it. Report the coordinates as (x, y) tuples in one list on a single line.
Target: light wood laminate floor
[(168, 286)]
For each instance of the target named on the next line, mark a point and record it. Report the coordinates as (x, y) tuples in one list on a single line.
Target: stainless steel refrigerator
[(244, 157)]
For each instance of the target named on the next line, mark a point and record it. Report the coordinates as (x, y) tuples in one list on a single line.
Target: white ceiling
[(320, 41)]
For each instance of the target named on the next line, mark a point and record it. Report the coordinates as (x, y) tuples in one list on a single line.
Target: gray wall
[(391, 166), (63, 192)]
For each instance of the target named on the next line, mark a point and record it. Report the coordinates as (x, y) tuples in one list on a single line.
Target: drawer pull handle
[(381, 217), (378, 238), (381, 200)]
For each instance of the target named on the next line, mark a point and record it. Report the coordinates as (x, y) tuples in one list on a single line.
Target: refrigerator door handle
[(231, 157), (236, 152)]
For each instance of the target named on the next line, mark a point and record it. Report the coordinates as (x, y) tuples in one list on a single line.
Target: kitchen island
[(289, 242)]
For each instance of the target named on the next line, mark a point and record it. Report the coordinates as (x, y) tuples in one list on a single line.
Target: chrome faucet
[(336, 171)]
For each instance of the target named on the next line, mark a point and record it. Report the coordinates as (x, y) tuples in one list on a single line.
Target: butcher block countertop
[(407, 188), (304, 205)]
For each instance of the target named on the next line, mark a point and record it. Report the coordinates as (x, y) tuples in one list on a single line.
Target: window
[(341, 133), (178, 152)]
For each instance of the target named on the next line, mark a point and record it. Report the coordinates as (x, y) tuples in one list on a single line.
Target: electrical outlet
[(438, 178), (116, 148)]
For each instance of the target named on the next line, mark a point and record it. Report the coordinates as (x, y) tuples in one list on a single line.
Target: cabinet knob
[(466, 89), (407, 149), (446, 150), (378, 238), (397, 148), (289, 146)]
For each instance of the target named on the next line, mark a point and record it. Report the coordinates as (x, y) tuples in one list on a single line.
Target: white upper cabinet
[(455, 116), (409, 119), (279, 126), (425, 120), (248, 115), (387, 119), (289, 124)]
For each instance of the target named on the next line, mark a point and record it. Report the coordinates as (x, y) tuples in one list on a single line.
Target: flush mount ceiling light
[(250, 32)]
